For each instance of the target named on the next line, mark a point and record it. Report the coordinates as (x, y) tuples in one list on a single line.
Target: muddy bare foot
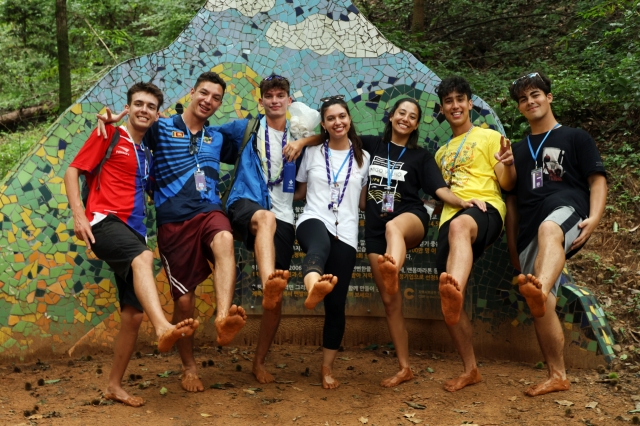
[(531, 289), (465, 379), (230, 325), (389, 272), (328, 381), (273, 288), (451, 298), (120, 395), (262, 375), (191, 382), (403, 375), (182, 329), (319, 290), (554, 384)]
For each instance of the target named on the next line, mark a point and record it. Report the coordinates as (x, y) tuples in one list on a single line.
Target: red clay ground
[(298, 400)]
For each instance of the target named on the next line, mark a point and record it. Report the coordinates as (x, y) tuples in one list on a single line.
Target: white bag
[(304, 120)]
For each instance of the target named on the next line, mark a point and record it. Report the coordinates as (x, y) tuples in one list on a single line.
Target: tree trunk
[(64, 64), (417, 20)]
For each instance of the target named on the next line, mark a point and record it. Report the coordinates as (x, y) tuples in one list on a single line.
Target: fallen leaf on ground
[(592, 404), (281, 365), (409, 415), (564, 402), (163, 391), (513, 398), (249, 391), (414, 405), (416, 421), (165, 374), (295, 388), (460, 411), (363, 420), (51, 382), (205, 415)]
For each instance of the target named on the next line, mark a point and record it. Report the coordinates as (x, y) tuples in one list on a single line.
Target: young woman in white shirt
[(332, 177)]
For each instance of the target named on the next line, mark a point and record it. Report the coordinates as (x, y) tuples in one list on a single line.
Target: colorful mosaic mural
[(54, 293)]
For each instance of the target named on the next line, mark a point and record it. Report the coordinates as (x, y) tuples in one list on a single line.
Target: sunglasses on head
[(275, 77), (530, 75), (331, 98)]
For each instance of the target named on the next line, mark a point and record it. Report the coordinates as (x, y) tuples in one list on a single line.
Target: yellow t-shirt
[(473, 173)]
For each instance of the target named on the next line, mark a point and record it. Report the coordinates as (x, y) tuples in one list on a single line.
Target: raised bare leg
[(404, 231), (125, 343), (397, 328), (318, 286), (144, 285), (230, 318), (451, 298)]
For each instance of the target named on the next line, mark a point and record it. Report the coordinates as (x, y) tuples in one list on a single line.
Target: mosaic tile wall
[(55, 294)]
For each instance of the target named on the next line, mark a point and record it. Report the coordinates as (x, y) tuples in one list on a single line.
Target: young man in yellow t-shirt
[(475, 163)]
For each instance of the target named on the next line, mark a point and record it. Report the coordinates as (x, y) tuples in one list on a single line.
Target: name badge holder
[(388, 195), (199, 176), (537, 172), (287, 172), (335, 195)]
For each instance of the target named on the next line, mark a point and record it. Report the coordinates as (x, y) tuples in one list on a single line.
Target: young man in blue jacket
[(260, 205)]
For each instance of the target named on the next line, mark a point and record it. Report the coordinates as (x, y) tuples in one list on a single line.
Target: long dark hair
[(353, 136), (412, 143)]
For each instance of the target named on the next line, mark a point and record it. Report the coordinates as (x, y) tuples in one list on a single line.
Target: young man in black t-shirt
[(558, 200)]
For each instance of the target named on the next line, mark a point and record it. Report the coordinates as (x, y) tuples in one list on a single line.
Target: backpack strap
[(114, 142), (252, 128), (84, 191)]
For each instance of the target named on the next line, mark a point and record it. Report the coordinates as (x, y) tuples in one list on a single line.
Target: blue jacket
[(249, 181), (249, 178)]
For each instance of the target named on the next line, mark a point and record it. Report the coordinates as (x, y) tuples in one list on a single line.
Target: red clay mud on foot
[(324, 286), (230, 325), (389, 272), (405, 374), (554, 384), (273, 288), (262, 375), (191, 382), (531, 289), (328, 381), (125, 398), (451, 298), (463, 380), (182, 329)]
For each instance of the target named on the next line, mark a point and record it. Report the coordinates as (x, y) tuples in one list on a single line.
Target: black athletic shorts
[(240, 214), (489, 228), (376, 242), (117, 244)]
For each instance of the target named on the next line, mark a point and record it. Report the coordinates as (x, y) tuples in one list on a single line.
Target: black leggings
[(326, 255)]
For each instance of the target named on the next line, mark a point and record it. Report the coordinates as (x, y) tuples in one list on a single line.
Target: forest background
[(590, 49)]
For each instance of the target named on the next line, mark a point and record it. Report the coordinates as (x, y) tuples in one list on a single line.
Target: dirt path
[(297, 399)]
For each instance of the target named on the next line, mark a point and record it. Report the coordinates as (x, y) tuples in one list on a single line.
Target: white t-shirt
[(313, 170), (281, 202)]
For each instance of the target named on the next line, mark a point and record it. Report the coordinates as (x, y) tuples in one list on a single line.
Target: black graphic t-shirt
[(568, 157), (415, 170)]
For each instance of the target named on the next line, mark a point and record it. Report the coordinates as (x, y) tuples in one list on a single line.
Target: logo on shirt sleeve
[(178, 134), (207, 139)]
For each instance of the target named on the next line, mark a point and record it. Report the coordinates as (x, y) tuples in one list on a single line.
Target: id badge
[(289, 177), (387, 202), (201, 183), (335, 196), (536, 178)]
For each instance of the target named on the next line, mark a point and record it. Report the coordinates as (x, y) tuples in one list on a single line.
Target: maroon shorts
[(185, 249)]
